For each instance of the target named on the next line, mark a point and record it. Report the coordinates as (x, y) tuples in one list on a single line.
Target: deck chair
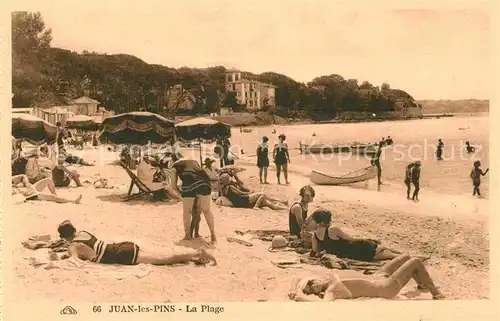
[(143, 189)]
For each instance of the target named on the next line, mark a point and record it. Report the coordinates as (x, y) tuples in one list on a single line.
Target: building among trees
[(251, 93)]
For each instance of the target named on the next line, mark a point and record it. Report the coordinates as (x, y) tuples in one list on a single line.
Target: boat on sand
[(360, 175)]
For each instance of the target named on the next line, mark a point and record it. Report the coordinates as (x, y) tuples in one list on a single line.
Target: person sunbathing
[(30, 192), (61, 175), (385, 283), (85, 246), (156, 179), (334, 240), (242, 197), (71, 159)]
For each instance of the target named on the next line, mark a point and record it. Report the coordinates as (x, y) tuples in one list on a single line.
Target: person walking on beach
[(375, 161), (195, 184), (281, 158), (412, 175), (439, 150), (475, 175), (85, 246), (263, 159)]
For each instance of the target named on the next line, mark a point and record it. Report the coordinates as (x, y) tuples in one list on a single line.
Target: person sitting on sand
[(212, 175), (31, 192), (333, 240), (242, 197), (475, 175), (61, 175), (385, 283), (298, 214), (148, 175), (389, 141), (87, 247)]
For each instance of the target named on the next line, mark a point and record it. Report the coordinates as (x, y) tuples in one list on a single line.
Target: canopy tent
[(33, 129), (137, 128), (81, 122)]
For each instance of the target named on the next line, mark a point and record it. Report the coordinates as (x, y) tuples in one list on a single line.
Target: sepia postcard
[(249, 160)]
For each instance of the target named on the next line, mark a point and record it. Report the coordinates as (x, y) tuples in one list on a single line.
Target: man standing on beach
[(412, 175), (375, 161)]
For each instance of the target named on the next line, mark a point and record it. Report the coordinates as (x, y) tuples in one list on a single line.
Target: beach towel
[(118, 272), (331, 261), (38, 242)]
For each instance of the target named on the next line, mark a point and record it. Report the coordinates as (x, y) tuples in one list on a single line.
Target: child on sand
[(476, 174)]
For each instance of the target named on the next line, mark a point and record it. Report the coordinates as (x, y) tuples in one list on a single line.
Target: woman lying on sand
[(30, 192), (87, 247), (385, 283), (242, 197), (333, 240)]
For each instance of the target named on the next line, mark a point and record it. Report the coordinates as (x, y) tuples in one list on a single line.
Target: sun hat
[(278, 242)]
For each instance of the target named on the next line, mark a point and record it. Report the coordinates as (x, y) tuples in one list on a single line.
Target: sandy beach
[(448, 223)]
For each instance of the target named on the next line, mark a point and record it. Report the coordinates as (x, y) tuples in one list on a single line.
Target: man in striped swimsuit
[(87, 247)]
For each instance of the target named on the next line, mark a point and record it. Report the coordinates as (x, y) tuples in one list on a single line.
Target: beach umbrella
[(33, 129), (202, 129), (136, 128), (81, 122)]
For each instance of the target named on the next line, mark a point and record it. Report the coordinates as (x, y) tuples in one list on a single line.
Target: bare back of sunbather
[(385, 283)]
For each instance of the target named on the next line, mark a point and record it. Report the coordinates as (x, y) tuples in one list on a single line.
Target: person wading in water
[(412, 175)]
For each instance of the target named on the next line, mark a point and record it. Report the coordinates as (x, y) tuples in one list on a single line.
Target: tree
[(29, 34), (230, 100)]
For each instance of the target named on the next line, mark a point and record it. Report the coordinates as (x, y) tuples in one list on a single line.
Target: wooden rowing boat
[(328, 148), (360, 175)]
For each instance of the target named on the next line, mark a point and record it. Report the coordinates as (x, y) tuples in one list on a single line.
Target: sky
[(431, 50)]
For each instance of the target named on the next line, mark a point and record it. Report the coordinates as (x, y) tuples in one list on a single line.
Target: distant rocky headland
[(454, 106)]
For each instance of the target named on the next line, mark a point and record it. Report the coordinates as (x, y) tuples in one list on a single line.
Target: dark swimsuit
[(124, 253), (237, 200), (280, 158), (195, 181), (293, 225), (361, 250), (262, 157)]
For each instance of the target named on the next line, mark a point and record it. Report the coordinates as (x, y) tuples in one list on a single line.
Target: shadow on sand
[(119, 198), (196, 244)]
